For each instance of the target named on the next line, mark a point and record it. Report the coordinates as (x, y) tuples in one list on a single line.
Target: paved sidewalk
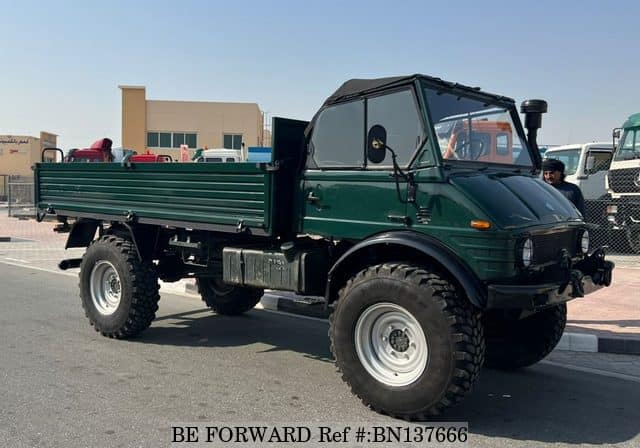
[(612, 314)]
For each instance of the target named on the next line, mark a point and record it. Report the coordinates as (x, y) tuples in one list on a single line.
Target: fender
[(144, 237), (424, 245), (82, 233)]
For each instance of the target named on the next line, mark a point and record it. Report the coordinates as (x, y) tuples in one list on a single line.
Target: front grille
[(548, 247), (624, 180)]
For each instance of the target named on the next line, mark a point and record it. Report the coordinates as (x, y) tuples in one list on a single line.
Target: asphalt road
[(63, 385)]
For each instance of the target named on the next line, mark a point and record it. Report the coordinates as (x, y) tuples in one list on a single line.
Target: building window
[(232, 141), (171, 139), (165, 140), (178, 139), (190, 140), (152, 140)]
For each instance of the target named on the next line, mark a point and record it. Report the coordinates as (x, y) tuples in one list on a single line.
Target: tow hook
[(597, 267), (576, 283)]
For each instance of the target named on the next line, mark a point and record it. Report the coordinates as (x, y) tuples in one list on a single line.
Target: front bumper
[(585, 277)]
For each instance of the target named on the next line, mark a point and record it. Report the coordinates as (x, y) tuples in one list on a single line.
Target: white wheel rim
[(105, 287), (391, 344)]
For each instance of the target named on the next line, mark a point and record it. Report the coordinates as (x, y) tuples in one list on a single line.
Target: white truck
[(220, 155), (623, 183), (586, 166)]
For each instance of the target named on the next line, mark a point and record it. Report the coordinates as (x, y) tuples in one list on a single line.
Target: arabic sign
[(10, 145), (13, 141)]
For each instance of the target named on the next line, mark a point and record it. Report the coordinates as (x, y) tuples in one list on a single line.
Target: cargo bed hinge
[(274, 166), (241, 227)]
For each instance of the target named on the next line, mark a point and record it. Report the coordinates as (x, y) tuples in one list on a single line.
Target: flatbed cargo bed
[(211, 196)]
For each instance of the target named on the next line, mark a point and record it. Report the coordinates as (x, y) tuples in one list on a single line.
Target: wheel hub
[(391, 344), (105, 287), (399, 341)]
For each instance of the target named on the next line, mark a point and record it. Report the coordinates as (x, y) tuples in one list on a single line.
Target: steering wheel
[(468, 149)]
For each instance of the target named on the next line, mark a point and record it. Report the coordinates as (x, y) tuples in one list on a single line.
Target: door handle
[(312, 198), (400, 219)]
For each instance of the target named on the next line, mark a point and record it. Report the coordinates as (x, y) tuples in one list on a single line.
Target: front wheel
[(119, 292), (405, 341), (513, 343)]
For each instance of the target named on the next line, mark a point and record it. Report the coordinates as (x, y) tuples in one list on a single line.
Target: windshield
[(570, 158), (629, 147), (471, 130)]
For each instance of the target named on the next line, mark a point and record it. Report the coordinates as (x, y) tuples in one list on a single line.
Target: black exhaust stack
[(533, 110)]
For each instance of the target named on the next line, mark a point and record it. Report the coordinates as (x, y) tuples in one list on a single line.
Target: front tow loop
[(595, 266)]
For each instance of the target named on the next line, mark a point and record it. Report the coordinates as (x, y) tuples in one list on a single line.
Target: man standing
[(553, 172)]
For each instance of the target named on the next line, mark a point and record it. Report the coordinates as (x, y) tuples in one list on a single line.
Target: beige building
[(18, 153), (162, 126)]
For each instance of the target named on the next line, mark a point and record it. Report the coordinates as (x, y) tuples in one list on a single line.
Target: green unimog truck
[(434, 257)]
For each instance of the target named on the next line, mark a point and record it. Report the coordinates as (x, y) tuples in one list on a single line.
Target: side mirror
[(591, 162), (616, 137), (376, 144)]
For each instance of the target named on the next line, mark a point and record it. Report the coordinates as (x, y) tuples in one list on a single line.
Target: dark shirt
[(573, 193)]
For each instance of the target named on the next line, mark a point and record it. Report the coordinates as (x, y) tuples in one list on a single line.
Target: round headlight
[(584, 242), (527, 252)]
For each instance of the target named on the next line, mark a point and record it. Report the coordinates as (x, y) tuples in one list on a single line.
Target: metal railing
[(4, 181), (20, 201)]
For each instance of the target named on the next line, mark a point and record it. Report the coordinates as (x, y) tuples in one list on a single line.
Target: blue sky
[(62, 61)]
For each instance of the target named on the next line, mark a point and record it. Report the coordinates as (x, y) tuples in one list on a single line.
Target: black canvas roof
[(355, 88)]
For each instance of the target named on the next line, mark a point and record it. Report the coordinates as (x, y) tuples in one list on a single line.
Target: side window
[(398, 113), (502, 144), (601, 161), (338, 136)]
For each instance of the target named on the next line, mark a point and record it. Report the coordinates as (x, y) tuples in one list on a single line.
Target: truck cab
[(623, 182), (586, 166)]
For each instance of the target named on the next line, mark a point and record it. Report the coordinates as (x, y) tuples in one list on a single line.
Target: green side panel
[(352, 205), (190, 193)]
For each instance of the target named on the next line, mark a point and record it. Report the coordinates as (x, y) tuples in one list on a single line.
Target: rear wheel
[(119, 292), (227, 299), (513, 343), (405, 341)]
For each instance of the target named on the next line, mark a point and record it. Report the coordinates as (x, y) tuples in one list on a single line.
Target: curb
[(314, 307), (586, 342)]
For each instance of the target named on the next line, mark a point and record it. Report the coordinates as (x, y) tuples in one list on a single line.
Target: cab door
[(346, 195)]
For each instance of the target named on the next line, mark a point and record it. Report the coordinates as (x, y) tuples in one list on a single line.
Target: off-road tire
[(450, 323), (515, 343), (225, 299), (139, 288)]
